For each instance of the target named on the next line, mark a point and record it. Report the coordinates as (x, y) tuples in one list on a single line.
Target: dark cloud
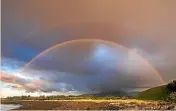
[(31, 26), (99, 67)]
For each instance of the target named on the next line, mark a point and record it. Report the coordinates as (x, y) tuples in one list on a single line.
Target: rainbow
[(98, 40)]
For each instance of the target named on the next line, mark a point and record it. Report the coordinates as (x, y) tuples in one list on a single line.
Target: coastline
[(92, 105)]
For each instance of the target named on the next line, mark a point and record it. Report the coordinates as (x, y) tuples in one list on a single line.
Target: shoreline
[(86, 104), (7, 107)]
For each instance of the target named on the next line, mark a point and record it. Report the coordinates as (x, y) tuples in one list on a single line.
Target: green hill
[(156, 93)]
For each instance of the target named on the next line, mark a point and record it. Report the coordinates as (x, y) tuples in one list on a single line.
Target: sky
[(73, 47)]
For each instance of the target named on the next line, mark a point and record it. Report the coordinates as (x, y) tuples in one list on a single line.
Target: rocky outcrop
[(146, 106)]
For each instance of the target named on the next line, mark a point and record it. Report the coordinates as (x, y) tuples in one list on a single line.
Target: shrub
[(172, 86), (172, 97)]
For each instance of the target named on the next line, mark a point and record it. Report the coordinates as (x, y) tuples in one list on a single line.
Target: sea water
[(7, 107)]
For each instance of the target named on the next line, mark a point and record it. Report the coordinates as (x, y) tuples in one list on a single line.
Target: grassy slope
[(156, 93)]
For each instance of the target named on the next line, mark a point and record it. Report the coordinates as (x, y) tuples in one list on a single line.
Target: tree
[(172, 86)]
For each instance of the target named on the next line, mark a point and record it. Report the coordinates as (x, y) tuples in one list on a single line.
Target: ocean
[(7, 107)]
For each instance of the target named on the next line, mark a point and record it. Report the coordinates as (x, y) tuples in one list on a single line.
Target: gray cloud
[(99, 67), (39, 24)]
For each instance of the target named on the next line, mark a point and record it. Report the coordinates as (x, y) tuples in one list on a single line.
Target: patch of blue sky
[(10, 65), (24, 53)]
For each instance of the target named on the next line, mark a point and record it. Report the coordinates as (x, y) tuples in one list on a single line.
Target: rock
[(161, 105)]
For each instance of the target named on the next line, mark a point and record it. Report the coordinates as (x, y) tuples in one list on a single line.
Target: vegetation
[(157, 93), (103, 95), (62, 97), (172, 91), (172, 86), (165, 92), (172, 97)]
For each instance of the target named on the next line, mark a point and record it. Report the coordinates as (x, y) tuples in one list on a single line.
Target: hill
[(156, 93), (111, 93)]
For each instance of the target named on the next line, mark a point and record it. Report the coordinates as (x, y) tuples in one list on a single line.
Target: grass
[(156, 93)]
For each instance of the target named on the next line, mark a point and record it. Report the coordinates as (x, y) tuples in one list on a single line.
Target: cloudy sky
[(73, 47)]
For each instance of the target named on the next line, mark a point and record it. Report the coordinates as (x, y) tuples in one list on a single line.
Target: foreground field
[(85, 104)]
